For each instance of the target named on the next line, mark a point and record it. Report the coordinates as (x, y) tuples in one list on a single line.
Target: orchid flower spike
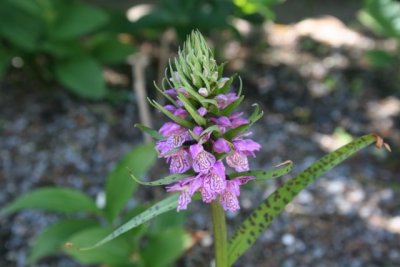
[(206, 136)]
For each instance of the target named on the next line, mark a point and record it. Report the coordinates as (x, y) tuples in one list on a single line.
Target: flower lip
[(202, 160), (180, 161)]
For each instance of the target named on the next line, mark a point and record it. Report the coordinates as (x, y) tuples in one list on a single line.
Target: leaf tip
[(69, 245), (284, 163), (380, 143)]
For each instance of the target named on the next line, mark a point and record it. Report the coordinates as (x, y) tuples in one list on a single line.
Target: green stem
[(220, 236)]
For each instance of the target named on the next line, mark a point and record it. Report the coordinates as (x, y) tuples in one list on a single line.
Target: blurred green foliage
[(382, 17), (205, 16), (64, 40), (83, 222), (70, 41)]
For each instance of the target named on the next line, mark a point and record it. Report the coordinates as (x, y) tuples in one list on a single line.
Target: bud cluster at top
[(205, 135)]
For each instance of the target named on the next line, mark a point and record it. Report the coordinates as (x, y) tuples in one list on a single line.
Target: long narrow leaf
[(165, 94), (176, 119), (163, 206), (281, 170), (153, 133), (262, 217), (119, 188), (52, 199), (53, 237), (193, 112), (164, 181)]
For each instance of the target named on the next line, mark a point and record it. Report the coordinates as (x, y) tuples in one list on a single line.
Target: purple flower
[(187, 187), (174, 92), (224, 123), (180, 161), (237, 159), (202, 135), (202, 111), (175, 136), (237, 121), (221, 146), (213, 182), (170, 128), (229, 197), (206, 134), (225, 100), (171, 92), (202, 160), (246, 146), (179, 112), (198, 130)]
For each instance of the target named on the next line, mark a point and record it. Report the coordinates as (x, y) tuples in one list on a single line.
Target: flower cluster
[(206, 135)]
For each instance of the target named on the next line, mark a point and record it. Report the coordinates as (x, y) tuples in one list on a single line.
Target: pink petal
[(207, 195), (170, 128), (239, 121), (198, 130), (171, 92), (202, 160), (183, 200), (229, 201), (180, 112), (238, 161), (202, 111), (221, 146), (214, 180), (246, 146), (225, 100), (170, 108), (180, 161)]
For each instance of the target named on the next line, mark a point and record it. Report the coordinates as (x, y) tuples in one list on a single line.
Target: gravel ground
[(349, 217)]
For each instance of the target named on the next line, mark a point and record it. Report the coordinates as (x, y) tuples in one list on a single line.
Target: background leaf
[(76, 19), (380, 58), (382, 16), (161, 207), (116, 252), (52, 199), (262, 217), (5, 58), (83, 76), (109, 50), (54, 237), (20, 27), (119, 186), (165, 247)]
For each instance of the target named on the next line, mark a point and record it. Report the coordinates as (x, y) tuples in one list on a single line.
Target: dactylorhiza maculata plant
[(209, 140), (207, 144)]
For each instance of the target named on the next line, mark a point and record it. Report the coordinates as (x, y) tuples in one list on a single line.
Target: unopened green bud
[(195, 68), (203, 91)]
